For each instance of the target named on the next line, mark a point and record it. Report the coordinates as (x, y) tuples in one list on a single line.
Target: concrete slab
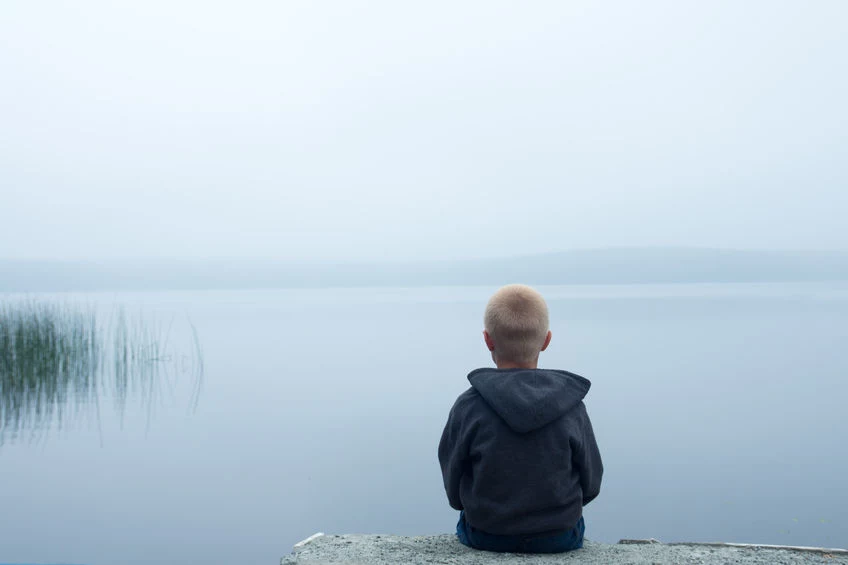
[(446, 550)]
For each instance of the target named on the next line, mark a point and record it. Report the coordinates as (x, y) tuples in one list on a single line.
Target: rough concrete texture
[(445, 549)]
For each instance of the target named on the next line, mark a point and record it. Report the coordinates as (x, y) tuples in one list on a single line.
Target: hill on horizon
[(587, 266)]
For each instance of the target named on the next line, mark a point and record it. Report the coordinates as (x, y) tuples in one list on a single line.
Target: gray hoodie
[(518, 453)]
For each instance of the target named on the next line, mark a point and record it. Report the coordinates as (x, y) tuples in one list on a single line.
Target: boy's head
[(516, 326)]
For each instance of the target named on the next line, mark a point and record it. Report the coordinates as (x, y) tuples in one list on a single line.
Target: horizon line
[(446, 259)]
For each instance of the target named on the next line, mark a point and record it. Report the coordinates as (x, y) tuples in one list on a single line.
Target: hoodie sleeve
[(587, 458), (453, 455)]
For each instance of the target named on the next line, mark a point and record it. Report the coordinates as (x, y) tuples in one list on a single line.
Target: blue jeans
[(531, 543)]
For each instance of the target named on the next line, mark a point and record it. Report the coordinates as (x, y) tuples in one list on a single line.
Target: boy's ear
[(547, 340), (488, 339)]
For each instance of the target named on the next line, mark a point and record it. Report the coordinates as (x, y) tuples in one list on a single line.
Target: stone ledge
[(356, 549)]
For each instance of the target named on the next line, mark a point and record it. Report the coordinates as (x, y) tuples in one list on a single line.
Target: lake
[(719, 411)]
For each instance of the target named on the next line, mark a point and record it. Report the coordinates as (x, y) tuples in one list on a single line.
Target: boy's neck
[(513, 365)]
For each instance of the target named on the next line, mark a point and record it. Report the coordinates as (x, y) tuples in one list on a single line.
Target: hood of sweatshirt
[(529, 399)]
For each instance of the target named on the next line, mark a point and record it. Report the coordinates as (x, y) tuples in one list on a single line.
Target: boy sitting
[(518, 453)]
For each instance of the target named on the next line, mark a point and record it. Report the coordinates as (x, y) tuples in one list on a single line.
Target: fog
[(303, 207), (384, 130)]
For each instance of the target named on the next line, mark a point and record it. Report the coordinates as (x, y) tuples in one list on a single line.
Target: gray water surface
[(719, 410)]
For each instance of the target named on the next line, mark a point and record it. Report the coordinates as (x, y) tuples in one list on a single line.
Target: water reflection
[(57, 361)]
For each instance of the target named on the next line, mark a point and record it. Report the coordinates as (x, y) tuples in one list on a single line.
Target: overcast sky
[(366, 130)]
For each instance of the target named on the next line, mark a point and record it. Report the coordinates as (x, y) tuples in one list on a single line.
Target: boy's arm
[(453, 455), (587, 458)]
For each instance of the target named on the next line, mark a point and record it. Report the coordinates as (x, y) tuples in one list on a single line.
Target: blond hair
[(517, 321)]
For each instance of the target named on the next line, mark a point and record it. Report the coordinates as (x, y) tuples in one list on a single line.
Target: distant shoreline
[(586, 267)]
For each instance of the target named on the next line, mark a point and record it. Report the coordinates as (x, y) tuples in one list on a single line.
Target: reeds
[(58, 360)]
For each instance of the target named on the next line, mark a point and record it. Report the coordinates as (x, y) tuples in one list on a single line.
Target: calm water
[(719, 410)]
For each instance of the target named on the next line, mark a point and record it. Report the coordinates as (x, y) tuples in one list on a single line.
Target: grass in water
[(58, 360)]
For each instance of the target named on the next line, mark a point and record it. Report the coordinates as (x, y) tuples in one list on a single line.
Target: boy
[(518, 454)]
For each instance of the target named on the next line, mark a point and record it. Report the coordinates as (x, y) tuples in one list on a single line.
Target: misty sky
[(367, 130)]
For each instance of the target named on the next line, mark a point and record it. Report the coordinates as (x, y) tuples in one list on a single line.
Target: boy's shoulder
[(468, 401), (470, 396)]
